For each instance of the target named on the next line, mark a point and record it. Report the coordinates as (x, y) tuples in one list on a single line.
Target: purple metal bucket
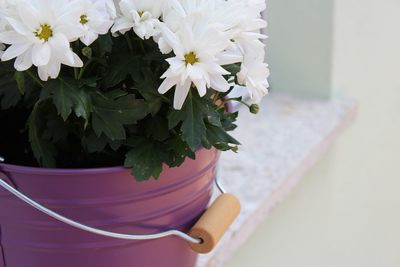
[(108, 199)]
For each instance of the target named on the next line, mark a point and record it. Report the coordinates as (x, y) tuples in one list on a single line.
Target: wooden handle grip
[(215, 222)]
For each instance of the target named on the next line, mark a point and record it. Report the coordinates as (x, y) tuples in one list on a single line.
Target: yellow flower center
[(140, 13), (45, 32), (84, 19), (191, 58)]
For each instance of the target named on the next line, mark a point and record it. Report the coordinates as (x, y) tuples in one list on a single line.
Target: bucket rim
[(5, 167), (13, 168)]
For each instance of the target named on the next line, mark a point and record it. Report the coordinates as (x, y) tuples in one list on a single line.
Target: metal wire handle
[(83, 227)]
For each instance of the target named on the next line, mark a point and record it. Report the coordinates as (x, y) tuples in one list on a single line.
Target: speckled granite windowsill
[(279, 146)]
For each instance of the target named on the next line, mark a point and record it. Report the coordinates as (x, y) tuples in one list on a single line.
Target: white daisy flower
[(247, 33), (109, 7), (221, 15), (254, 75), (141, 16), (258, 6), (94, 19), (2, 28), (40, 35), (196, 48)]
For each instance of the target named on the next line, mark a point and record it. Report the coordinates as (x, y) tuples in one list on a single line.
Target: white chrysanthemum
[(40, 35), (2, 28), (220, 15), (94, 19), (247, 33), (254, 72), (238, 21), (5, 8), (141, 16), (196, 48), (254, 75), (109, 7)]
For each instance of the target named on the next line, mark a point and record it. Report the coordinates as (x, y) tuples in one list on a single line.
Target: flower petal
[(181, 93), (166, 85), (201, 87), (122, 25), (24, 61), (19, 27), (28, 15), (14, 51), (219, 83), (89, 37), (12, 37), (41, 54)]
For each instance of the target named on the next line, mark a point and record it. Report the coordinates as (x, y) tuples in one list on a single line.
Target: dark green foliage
[(20, 79), (43, 149), (145, 159), (68, 97), (111, 115), (191, 120), (10, 94), (108, 113)]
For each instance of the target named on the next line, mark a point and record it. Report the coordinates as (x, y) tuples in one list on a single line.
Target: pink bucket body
[(108, 199)]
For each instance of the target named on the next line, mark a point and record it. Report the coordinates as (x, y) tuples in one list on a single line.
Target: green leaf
[(9, 92), (213, 117), (104, 44), (121, 65), (219, 138), (147, 86), (90, 82), (218, 134), (67, 97), (43, 150), (193, 127), (93, 143), (192, 117), (233, 68), (157, 128), (56, 129), (110, 116), (144, 160), (20, 79), (117, 93), (228, 120), (179, 150)]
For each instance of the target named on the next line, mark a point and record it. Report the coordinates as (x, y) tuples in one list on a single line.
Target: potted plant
[(89, 86)]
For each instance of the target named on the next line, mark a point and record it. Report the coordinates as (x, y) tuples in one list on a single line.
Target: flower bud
[(87, 52), (254, 108)]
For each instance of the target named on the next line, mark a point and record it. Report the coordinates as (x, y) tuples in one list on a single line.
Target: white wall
[(346, 212)]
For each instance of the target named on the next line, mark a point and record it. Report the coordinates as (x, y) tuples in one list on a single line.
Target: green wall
[(300, 46)]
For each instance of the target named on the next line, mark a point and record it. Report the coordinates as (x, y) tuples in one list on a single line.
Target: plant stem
[(215, 98), (164, 98), (76, 73), (84, 68), (35, 78), (232, 99)]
